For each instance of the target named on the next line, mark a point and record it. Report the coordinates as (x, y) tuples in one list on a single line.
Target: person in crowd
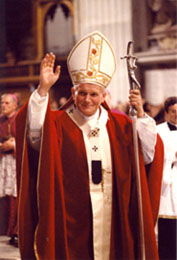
[(76, 167), (53, 104), (119, 108), (8, 189), (155, 111), (167, 221), (62, 101)]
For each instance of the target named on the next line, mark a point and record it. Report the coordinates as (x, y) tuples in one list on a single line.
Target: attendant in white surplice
[(167, 223)]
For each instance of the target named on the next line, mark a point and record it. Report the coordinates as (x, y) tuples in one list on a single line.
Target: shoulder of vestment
[(122, 126)]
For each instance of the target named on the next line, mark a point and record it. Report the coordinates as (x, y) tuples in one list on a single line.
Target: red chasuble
[(55, 214)]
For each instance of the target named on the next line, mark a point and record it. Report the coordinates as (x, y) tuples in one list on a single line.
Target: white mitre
[(92, 60)]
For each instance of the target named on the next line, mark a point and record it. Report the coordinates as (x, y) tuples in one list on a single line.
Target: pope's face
[(88, 97), (172, 114)]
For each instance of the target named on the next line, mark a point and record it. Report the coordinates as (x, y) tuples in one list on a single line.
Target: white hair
[(13, 97)]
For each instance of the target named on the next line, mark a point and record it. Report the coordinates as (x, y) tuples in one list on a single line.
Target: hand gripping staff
[(131, 67)]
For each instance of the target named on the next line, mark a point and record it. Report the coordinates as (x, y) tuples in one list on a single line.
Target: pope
[(77, 188)]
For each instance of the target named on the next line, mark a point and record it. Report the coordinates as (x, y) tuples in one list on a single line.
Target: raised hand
[(47, 74)]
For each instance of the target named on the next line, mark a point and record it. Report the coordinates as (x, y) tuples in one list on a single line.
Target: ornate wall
[(151, 24), (155, 34), (113, 19)]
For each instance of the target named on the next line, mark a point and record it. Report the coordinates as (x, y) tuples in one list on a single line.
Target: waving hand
[(47, 74)]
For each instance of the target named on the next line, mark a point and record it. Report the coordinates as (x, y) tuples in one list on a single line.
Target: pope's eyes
[(93, 94), (82, 93)]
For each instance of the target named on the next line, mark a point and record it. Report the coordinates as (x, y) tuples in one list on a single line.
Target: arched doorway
[(58, 38), (58, 30)]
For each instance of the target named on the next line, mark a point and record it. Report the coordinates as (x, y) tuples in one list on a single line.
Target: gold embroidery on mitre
[(93, 66), (96, 76)]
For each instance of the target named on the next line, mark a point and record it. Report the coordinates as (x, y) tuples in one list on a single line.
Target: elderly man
[(78, 196), (8, 190)]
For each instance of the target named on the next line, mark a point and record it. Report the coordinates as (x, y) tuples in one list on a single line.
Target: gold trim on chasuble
[(37, 193)]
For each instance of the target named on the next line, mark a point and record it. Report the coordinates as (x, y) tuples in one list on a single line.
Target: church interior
[(30, 29)]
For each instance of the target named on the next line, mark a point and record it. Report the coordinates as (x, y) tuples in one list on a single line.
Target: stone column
[(113, 19)]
